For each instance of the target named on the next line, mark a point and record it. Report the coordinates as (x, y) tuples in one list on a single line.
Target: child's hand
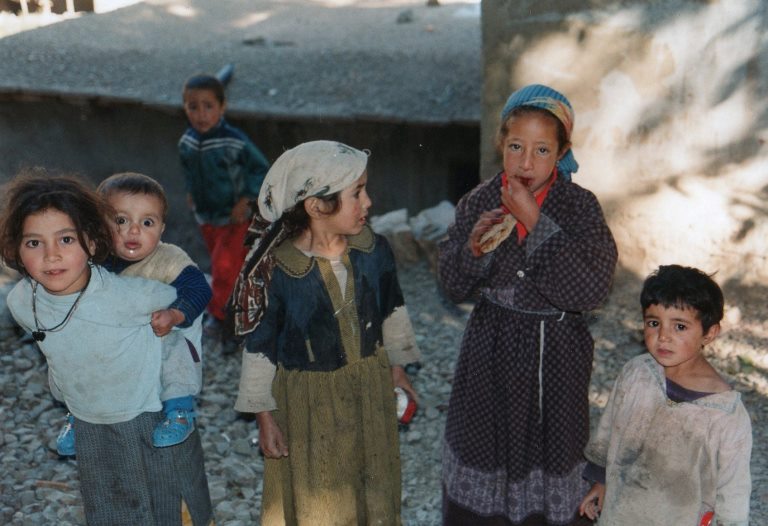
[(593, 502), (483, 224), (165, 320), (520, 202), (241, 212), (400, 379), (271, 438)]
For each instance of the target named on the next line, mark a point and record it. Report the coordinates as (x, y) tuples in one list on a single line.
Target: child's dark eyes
[(358, 192), (655, 324), (146, 223), (541, 150), (64, 240)]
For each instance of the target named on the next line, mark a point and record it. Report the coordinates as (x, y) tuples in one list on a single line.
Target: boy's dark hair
[(296, 220), (684, 287), (562, 135), (206, 82), (34, 191), (134, 183)]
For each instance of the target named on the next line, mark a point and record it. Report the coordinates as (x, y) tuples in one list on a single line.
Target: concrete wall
[(411, 166), (671, 118)]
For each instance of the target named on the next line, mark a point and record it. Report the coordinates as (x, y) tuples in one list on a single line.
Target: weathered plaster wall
[(671, 118)]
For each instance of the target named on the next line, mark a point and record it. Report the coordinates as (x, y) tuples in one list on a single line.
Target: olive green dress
[(331, 385)]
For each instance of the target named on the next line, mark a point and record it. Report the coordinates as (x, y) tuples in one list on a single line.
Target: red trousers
[(226, 246)]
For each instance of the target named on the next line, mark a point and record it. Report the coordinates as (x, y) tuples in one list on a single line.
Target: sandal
[(175, 429), (65, 441)]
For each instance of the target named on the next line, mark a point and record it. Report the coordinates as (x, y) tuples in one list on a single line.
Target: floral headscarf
[(310, 169)]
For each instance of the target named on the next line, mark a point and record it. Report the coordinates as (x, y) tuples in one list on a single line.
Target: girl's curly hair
[(34, 191)]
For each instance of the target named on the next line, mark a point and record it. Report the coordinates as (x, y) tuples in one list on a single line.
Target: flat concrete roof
[(385, 60)]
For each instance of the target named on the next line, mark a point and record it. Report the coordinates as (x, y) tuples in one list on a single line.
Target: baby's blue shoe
[(175, 429), (65, 442)]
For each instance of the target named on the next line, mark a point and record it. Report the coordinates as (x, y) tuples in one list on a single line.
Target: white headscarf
[(310, 169)]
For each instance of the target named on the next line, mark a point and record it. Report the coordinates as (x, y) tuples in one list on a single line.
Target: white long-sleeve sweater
[(106, 359), (669, 463)]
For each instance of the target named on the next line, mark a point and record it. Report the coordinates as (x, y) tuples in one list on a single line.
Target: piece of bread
[(497, 233)]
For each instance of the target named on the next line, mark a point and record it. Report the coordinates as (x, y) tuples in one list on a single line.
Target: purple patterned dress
[(518, 419)]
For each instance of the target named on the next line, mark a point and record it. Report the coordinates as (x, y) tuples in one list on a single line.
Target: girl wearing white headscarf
[(326, 338)]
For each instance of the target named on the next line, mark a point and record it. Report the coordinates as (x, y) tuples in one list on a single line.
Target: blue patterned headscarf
[(544, 97)]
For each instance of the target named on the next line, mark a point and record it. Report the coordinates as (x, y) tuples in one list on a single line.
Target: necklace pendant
[(38, 336)]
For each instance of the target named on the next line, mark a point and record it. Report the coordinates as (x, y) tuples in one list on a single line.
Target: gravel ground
[(38, 488)]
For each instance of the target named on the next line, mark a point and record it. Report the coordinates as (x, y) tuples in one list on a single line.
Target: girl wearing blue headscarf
[(534, 251)]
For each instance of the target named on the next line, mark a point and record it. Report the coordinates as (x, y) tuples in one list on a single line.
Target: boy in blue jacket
[(223, 171)]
